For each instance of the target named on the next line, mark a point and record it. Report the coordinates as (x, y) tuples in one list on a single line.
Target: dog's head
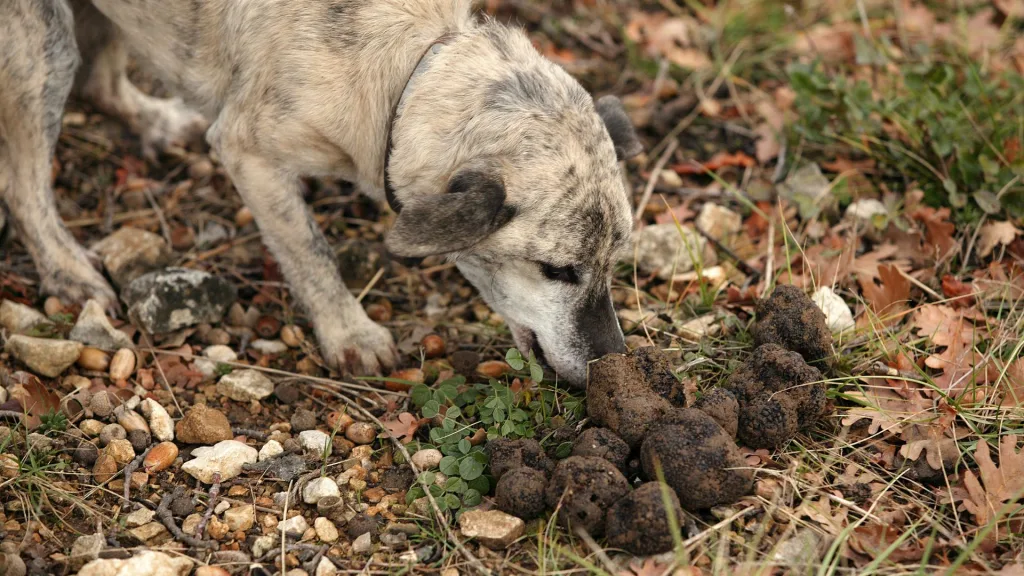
[(533, 208)]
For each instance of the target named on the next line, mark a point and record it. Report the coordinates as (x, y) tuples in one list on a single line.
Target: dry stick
[(163, 512), (473, 560), (653, 179), (597, 550), (284, 516), (129, 470), (369, 285), (210, 503)]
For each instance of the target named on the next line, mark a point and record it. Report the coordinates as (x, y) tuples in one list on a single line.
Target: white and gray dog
[(490, 154)]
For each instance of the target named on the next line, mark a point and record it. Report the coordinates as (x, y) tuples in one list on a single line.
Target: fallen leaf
[(866, 265), (677, 39), (996, 234), (957, 291), (35, 398), (646, 567), (717, 162), (888, 299), (942, 325), (998, 483), (1012, 384), (404, 427), (938, 229), (874, 540), (767, 145)]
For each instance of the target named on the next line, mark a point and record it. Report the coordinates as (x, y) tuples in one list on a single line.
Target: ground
[(867, 152)]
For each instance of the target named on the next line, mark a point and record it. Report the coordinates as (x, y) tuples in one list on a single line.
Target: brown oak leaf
[(403, 427), (998, 484), (887, 300)]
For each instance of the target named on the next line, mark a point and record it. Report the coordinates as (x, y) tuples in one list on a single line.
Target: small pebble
[(112, 432), (363, 544), (361, 433), (326, 531), (314, 441), (270, 449), (427, 459), (94, 359), (303, 420), (292, 335), (319, 488), (91, 427)]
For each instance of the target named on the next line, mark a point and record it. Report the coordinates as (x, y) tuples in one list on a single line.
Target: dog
[(489, 153)]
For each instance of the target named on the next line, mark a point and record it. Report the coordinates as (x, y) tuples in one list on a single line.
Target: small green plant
[(54, 421), (510, 409), (944, 125)]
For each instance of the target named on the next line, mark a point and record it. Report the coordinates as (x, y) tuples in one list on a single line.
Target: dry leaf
[(938, 229), (998, 483), (646, 567), (866, 265), (404, 427), (35, 398), (718, 161), (1012, 384), (995, 234), (942, 325), (887, 300), (874, 540), (957, 291)]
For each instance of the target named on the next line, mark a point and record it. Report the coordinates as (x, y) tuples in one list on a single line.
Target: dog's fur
[(499, 159)]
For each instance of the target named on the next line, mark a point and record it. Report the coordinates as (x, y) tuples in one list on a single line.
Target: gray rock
[(130, 253), (44, 356), (314, 441), (668, 250), (145, 563), (492, 528), (225, 458), (94, 329), (86, 549), (18, 318), (264, 544), (268, 347), (245, 385), (319, 488), (176, 298), (363, 544), (39, 443)]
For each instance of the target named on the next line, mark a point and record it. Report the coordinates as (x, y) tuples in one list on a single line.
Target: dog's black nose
[(599, 326)]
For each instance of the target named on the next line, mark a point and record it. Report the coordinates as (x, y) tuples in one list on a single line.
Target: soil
[(779, 394), (602, 443), (520, 492), (698, 459), (508, 455), (586, 487), (792, 320), (628, 392), (639, 523)]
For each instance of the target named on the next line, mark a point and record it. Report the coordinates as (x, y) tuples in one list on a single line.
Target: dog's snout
[(599, 326)]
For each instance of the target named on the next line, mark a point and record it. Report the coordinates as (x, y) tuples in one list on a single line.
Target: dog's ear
[(472, 208), (627, 145)]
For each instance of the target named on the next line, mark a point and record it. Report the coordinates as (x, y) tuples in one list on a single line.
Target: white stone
[(427, 459), (131, 252), (212, 356), (44, 356), (240, 518), (245, 385), (314, 441), (264, 544), (866, 209), (838, 315), (326, 531), (492, 528), (139, 517), (326, 568), (267, 347), (669, 250), (17, 318), (295, 524), (719, 222), (221, 507), (362, 544), (160, 422), (225, 458), (270, 449), (318, 488), (85, 549), (94, 329), (697, 328), (145, 563)]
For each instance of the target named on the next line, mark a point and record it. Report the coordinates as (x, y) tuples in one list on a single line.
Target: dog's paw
[(76, 280), (169, 125), (361, 348)]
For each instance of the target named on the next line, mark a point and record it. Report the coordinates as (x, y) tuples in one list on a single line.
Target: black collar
[(421, 66)]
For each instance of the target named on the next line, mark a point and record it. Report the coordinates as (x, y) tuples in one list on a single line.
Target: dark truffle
[(639, 523), (792, 320), (586, 487), (520, 492), (602, 443)]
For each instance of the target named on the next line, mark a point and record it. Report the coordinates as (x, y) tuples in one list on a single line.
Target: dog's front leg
[(349, 340)]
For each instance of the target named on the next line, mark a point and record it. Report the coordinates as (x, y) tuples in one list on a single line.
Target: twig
[(653, 179), (473, 560), (254, 434), (370, 284), (130, 469), (746, 268), (12, 414), (210, 504), (163, 512)]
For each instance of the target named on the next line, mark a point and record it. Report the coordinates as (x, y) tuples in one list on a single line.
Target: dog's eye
[(560, 273)]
